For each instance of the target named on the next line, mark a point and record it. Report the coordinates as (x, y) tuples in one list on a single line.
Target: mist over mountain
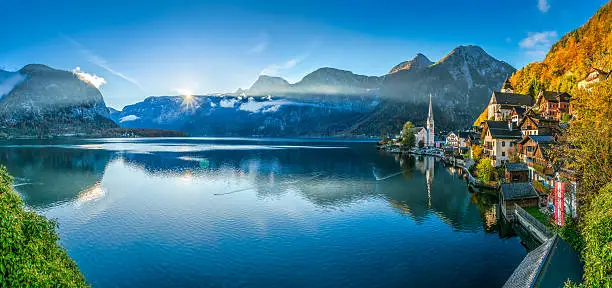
[(39, 100), (334, 102)]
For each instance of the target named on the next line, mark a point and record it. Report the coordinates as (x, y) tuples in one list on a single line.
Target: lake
[(206, 212)]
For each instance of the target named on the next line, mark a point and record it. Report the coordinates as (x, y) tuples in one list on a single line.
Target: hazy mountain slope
[(569, 60), (45, 100)]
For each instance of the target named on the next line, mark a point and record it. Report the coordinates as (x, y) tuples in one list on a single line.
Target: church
[(425, 134)]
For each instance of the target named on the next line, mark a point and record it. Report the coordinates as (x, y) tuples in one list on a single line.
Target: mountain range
[(334, 102), (326, 102)]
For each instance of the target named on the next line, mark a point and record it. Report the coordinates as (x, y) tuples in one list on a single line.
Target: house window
[(503, 143), (510, 144), (503, 154)]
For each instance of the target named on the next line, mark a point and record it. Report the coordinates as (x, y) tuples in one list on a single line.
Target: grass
[(536, 213)]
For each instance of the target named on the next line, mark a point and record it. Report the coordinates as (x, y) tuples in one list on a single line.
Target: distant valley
[(326, 102)]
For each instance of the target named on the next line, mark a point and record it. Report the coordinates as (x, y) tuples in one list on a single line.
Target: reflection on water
[(236, 212)]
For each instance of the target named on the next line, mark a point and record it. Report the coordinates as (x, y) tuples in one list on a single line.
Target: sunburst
[(189, 101)]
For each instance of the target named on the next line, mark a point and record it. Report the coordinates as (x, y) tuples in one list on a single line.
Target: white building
[(452, 139), (498, 140)]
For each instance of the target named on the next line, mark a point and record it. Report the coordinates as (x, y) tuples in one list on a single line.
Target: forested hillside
[(569, 60)]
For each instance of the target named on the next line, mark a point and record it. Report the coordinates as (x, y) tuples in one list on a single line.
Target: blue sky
[(152, 47)]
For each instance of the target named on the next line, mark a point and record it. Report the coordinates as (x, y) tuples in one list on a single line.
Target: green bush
[(597, 236), (29, 254), (486, 171)]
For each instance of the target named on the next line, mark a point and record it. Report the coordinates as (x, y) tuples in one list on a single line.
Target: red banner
[(559, 203)]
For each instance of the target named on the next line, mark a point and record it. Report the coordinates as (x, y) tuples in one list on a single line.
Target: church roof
[(511, 99)]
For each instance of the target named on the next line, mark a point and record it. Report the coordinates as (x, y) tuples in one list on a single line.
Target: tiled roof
[(518, 190), (525, 274), (500, 129), (549, 265), (514, 167), (555, 96), (512, 99), (519, 110), (542, 138), (464, 134)]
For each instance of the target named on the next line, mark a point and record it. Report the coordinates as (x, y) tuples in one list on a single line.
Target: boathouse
[(520, 193), (517, 172)]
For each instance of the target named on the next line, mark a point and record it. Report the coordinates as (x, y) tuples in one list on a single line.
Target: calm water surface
[(261, 213)]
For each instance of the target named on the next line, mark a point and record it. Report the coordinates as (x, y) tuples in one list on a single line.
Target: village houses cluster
[(522, 130), (527, 131)]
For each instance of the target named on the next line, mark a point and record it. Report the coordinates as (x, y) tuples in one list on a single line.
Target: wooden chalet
[(593, 76), (517, 172), (535, 152), (534, 125), (553, 105), (520, 193)]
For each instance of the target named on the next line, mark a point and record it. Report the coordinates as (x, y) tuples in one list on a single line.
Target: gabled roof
[(554, 96), (539, 139), (500, 130), (474, 136), (519, 110), (511, 99), (545, 149), (506, 133), (518, 190), (515, 167), (464, 134), (417, 129), (542, 138), (538, 121)]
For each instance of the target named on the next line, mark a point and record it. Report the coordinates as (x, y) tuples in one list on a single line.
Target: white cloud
[(538, 43), (260, 47), (276, 69), (129, 118), (92, 79), (227, 103), (263, 106), (543, 6), (535, 39)]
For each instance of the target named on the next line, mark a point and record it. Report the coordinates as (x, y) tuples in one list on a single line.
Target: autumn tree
[(589, 145), (476, 152), (408, 139)]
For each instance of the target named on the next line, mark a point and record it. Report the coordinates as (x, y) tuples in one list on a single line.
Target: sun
[(189, 100)]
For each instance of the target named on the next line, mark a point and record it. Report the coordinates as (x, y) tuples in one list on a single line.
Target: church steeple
[(430, 115), (507, 86), (430, 126)]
